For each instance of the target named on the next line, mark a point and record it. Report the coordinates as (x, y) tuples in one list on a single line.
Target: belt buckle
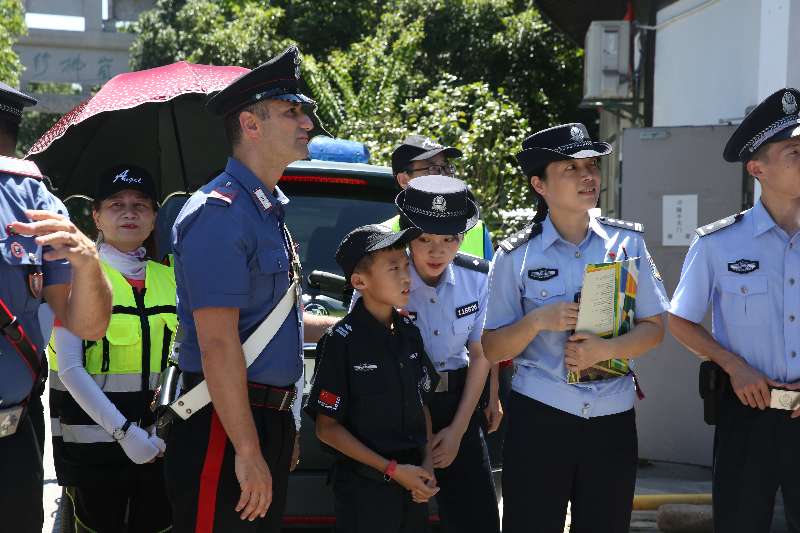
[(288, 398), (9, 420), (444, 382), (788, 400)]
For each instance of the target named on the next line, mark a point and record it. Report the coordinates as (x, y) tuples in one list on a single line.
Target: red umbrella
[(152, 118)]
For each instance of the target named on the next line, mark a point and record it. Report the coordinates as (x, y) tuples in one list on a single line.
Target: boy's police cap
[(774, 119), (277, 79), (12, 102), (367, 239)]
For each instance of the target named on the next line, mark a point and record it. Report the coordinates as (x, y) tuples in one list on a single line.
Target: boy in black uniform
[(371, 388)]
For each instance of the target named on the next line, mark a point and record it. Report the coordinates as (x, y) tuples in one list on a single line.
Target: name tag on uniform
[(784, 399), (465, 310)]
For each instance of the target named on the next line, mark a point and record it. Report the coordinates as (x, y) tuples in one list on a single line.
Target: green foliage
[(476, 74), (12, 26), (206, 32)]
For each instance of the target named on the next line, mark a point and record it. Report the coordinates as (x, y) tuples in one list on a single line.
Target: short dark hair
[(233, 130), (366, 262), (761, 154)]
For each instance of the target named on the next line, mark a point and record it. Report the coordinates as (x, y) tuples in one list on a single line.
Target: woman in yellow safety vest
[(105, 451)]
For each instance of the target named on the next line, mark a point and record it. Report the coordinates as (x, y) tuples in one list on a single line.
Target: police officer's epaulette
[(222, 196), (471, 262), (624, 224), (20, 167), (708, 229), (521, 237)]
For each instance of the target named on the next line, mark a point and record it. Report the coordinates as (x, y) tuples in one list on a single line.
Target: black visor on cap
[(122, 177)]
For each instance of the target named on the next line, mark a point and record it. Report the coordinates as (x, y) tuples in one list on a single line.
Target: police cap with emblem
[(774, 119), (368, 239), (559, 143), (419, 148), (277, 79), (12, 103), (439, 205), (122, 177)]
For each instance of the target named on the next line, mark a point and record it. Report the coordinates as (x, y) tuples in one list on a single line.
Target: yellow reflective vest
[(126, 364), (473, 239)]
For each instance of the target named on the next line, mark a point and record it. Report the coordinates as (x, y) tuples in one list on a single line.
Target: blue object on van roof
[(328, 149)]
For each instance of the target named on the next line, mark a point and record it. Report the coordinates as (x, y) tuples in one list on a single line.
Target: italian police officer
[(227, 465), (567, 442), (42, 254), (747, 267)]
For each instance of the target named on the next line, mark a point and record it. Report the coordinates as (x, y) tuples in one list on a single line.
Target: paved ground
[(654, 478)]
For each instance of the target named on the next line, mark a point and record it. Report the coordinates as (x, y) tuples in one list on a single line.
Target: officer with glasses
[(422, 156)]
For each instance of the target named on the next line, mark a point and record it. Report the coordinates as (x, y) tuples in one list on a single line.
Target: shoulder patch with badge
[(471, 262), (623, 224), (708, 229), (542, 274), (466, 310), (743, 266), (329, 400), (226, 196), (521, 237)]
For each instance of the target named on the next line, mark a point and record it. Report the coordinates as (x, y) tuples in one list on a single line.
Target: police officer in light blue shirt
[(447, 302), (42, 254), (747, 266), (234, 261), (567, 442)]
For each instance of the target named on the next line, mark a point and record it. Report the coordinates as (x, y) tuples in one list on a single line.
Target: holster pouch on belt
[(163, 396), (714, 384)]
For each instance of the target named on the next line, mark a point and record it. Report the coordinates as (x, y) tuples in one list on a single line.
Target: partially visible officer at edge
[(747, 266), (422, 156), (567, 442), (42, 254), (227, 465)]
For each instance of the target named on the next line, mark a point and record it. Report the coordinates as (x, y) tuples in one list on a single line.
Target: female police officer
[(566, 442), (100, 392), (447, 301)]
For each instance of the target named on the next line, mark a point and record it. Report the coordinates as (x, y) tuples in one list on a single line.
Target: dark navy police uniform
[(231, 251), (21, 267), (375, 381)]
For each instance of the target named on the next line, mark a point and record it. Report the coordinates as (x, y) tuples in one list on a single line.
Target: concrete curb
[(685, 518)]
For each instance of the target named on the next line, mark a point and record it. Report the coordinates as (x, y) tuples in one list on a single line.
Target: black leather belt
[(452, 381), (262, 396)]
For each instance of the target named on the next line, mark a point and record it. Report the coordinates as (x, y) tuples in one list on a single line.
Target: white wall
[(706, 65)]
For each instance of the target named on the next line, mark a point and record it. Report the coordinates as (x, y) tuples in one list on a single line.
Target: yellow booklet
[(608, 302)]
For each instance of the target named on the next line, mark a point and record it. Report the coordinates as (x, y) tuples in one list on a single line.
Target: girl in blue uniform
[(447, 301), (567, 442)]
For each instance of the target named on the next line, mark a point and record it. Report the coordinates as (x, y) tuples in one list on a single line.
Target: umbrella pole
[(178, 143)]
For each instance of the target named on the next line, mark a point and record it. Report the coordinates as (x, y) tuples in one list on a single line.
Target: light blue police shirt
[(546, 270), (750, 273), (18, 255), (450, 314), (230, 251)]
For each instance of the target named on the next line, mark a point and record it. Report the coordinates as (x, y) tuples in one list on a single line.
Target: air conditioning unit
[(606, 60)]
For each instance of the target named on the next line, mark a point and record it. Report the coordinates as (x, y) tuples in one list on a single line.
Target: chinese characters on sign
[(679, 219)]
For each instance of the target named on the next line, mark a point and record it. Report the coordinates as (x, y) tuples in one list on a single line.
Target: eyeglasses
[(443, 170)]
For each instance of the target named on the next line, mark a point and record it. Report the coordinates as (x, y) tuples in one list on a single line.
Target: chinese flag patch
[(329, 400)]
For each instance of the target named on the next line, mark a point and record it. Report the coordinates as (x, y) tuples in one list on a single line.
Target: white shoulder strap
[(197, 398)]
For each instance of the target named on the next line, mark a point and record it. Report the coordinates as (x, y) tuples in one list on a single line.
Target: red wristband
[(388, 474)]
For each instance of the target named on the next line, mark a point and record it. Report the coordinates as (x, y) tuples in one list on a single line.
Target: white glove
[(158, 443), (139, 446)]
